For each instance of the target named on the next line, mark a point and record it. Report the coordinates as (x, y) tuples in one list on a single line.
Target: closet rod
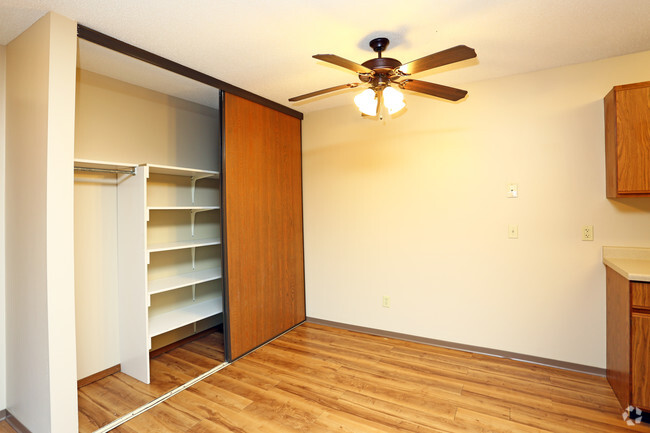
[(106, 170)]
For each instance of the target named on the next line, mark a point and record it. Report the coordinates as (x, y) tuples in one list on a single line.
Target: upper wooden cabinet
[(627, 140)]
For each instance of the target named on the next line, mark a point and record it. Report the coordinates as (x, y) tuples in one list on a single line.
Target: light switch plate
[(513, 231)]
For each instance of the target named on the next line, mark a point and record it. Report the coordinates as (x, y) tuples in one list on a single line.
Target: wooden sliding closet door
[(262, 181)]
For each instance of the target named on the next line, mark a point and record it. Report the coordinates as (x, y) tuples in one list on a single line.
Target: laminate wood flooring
[(320, 379), (107, 399), (6, 428)]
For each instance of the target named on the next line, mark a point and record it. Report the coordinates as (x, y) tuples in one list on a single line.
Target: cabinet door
[(262, 178), (641, 360), (640, 295), (633, 137)]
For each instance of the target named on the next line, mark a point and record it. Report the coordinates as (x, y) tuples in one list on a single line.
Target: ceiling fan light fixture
[(393, 100), (367, 102)]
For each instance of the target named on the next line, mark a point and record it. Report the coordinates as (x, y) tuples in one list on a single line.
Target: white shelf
[(104, 165), (161, 323), (140, 319), (181, 171), (180, 245), (194, 208), (183, 280)]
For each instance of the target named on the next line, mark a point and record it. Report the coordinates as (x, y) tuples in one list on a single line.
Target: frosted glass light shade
[(393, 100), (367, 102)]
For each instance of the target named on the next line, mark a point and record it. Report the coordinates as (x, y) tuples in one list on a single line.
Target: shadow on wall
[(631, 204)]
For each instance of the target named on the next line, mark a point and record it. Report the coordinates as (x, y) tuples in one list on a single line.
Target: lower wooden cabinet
[(628, 340), (641, 360)]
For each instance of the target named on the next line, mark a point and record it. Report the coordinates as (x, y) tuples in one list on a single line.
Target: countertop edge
[(622, 266)]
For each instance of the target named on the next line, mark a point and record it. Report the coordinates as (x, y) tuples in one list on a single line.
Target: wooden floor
[(118, 394), (320, 379), (6, 428)]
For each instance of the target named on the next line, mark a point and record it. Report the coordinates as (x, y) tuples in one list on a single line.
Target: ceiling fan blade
[(345, 63), (320, 92), (438, 90), (451, 55)]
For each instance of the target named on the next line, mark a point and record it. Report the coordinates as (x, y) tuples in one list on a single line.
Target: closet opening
[(149, 286)]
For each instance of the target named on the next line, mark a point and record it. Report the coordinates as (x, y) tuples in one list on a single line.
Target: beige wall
[(41, 391), (117, 121), (415, 208), (60, 197), (27, 344), (3, 90), (95, 244)]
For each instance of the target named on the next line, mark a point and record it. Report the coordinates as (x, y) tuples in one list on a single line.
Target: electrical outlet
[(513, 190), (513, 231), (385, 301), (588, 233)]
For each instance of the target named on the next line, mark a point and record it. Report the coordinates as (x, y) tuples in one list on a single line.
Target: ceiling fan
[(383, 72)]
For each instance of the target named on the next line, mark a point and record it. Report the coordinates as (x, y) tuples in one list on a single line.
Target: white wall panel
[(41, 391)]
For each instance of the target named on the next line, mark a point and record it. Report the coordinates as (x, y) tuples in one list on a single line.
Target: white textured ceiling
[(265, 46)]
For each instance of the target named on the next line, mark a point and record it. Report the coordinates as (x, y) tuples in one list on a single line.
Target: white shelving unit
[(150, 224), (91, 165), (180, 245), (182, 171), (164, 322), (190, 208), (183, 280)]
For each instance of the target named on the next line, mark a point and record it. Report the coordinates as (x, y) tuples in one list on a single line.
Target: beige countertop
[(632, 263)]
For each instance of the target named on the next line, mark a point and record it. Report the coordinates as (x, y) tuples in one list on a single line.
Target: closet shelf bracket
[(193, 213), (194, 179)]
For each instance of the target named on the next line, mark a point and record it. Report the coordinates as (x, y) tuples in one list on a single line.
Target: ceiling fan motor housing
[(382, 64), (382, 67)]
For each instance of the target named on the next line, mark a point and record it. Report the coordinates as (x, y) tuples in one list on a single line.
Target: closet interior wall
[(121, 122)]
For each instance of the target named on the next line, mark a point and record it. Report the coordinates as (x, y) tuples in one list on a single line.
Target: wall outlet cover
[(513, 190)]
